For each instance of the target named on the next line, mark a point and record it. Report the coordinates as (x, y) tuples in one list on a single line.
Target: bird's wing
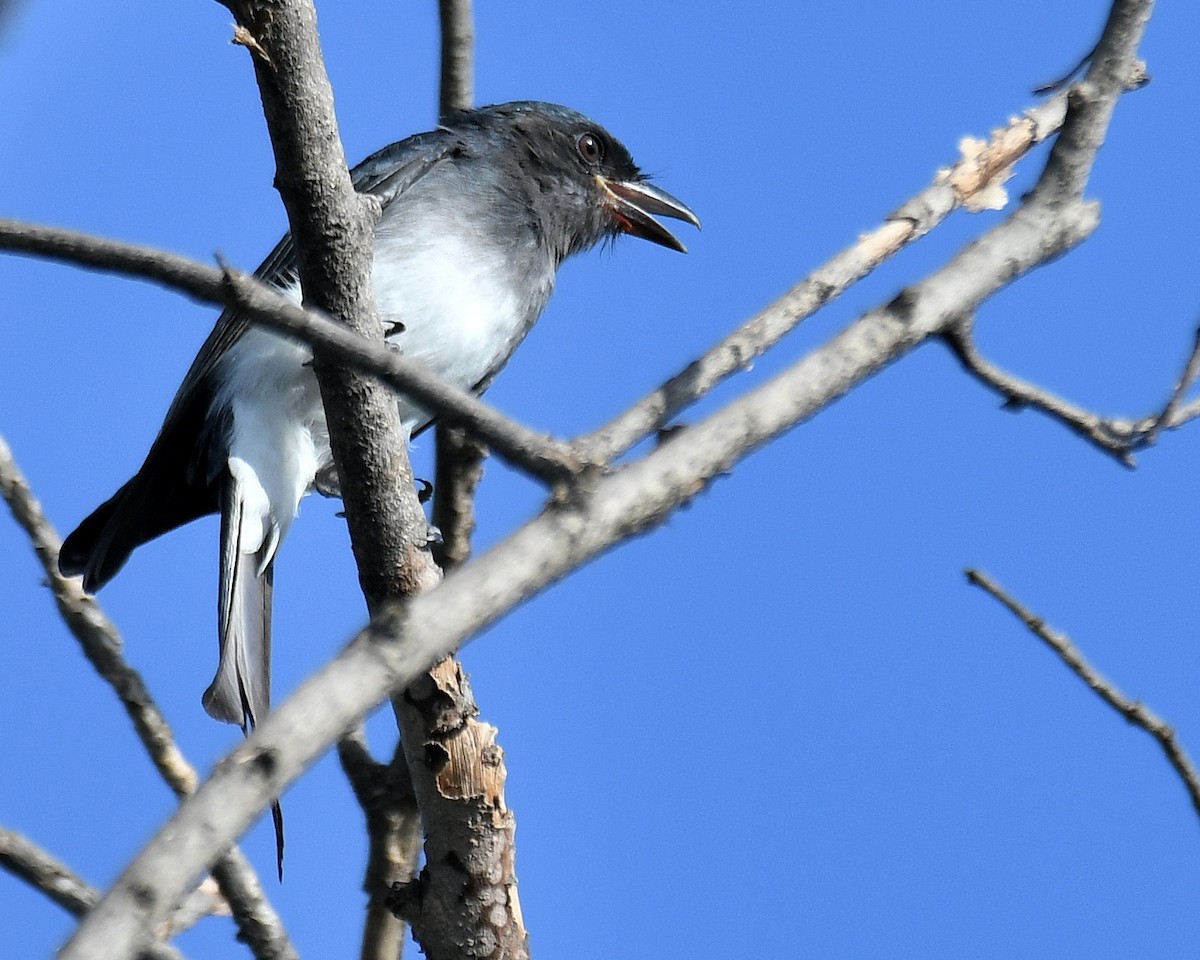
[(179, 480), (386, 174)]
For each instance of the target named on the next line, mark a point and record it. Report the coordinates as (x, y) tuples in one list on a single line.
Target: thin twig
[(1120, 437), (951, 189), (1136, 713), (459, 460), (25, 859), (98, 636), (459, 457), (1173, 412), (1017, 393), (1113, 69), (101, 643), (1112, 72), (1055, 85)]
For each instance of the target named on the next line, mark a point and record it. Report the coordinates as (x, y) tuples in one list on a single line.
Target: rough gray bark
[(464, 903)]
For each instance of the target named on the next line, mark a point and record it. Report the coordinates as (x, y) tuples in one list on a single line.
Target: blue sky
[(783, 725)]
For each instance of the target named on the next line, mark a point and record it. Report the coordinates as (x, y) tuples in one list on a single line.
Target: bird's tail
[(241, 690)]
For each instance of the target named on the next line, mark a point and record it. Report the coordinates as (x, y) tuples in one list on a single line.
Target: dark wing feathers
[(175, 484), (159, 497)]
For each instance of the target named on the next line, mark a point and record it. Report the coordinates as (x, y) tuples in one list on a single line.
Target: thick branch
[(457, 87), (387, 524), (467, 891), (332, 227), (1136, 713), (1175, 413)]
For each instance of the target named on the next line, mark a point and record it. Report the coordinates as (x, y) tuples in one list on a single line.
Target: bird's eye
[(590, 148)]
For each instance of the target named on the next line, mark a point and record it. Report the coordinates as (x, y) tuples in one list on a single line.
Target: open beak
[(633, 203)]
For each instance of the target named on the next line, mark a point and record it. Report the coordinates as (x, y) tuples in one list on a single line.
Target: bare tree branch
[(1174, 413), (387, 524), (468, 886), (1114, 69), (536, 453), (1136, 713), (1061, 81), (259, 926), (403, 640), (25, 859), (387, 797), (205, 901), (533, 452), (385, 793), (457, 86), (459, 458), (101, 643), (332, 227), (950, 190), (599, 511), (1120, 437), (470, 894), (98, 637), (459, 470)]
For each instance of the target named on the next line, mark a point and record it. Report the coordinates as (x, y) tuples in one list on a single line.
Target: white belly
[(461, 316)]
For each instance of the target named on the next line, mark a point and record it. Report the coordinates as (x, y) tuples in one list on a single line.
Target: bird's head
[(581, 181)]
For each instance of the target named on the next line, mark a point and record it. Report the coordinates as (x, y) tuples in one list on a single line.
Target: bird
[(477, 216)]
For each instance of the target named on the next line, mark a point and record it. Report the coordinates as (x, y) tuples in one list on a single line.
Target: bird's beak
[(632, 203)]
